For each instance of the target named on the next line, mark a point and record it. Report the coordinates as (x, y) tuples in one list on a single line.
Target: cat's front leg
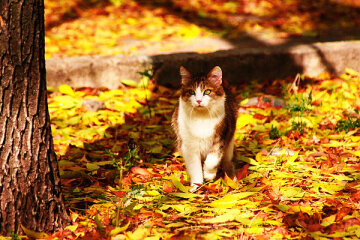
[(193, 166), (211, 166)]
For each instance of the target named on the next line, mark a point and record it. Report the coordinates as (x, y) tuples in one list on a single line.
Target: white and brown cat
[(204, 122)]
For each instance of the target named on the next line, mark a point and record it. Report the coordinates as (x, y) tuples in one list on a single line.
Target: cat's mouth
[(199, 106)]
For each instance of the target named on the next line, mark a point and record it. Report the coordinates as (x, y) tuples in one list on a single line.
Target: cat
[(204, 122)]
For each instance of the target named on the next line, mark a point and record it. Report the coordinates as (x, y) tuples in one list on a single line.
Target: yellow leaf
[(118, 230), (329, 220), (303, 209), (66, 102), (355, 138), (130, 83), (176, 225), (179, 185), (138, 234), (67, 90), (243, 120), (231, 183), (324, 76), (186, 195), (131, 21), (230, 200), (334, 144), (254, 230), (229, 216), (292, 158), (33, 234), (351, 72), (259, 157), (268, 141), (292, 192), (72, 228), (248, 160), (152, 193), (356, 153)]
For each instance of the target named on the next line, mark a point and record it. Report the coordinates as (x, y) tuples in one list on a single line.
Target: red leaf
[(355, 196), (259, 116), (242, 173), (342, 213), (314, 227), (119, 194)]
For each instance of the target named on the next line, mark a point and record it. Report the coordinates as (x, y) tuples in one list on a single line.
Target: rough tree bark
[(30, 192)]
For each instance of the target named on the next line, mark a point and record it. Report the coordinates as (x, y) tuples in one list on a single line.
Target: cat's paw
[(194, 187), (209, 176)]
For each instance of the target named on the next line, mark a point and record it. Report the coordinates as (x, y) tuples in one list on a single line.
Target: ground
[(297, 140), (79, 27), (297, 151)]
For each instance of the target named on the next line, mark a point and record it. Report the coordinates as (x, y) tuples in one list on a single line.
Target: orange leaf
[(140, 171), (168, 187)]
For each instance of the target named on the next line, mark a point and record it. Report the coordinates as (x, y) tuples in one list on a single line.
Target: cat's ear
[(215, 76), (185, 75)]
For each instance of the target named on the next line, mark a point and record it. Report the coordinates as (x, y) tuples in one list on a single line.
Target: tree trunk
[(30, 191)]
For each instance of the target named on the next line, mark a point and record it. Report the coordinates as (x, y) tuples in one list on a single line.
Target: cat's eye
[(207, 92), (191, 92)]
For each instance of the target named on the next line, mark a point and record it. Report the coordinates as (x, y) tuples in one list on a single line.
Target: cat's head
[(201, 91)]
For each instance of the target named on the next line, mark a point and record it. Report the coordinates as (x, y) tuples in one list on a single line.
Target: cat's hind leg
[(227, 164)]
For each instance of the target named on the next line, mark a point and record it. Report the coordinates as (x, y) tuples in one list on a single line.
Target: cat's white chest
[(201, 127), (198, 125)]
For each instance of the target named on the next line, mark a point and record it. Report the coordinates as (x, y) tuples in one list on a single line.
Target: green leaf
[(156, 149), (65, 163), (283, 208), (92, 167), (251, 161)]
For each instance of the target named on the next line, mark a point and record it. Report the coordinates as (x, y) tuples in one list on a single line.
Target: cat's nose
[(198, 101)]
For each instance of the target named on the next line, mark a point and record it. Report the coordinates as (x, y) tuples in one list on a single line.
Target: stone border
[(238, 65)]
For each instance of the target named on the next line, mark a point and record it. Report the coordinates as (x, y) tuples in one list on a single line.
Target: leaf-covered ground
[(93, 27), (297, 155)]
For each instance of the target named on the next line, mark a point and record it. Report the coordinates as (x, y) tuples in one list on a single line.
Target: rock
[(93, 105), (238, 65)]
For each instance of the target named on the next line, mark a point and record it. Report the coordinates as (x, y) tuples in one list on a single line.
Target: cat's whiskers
[(210, 115), (191, 112)]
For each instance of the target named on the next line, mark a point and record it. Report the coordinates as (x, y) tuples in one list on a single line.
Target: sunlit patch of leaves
[(89, 27), (127, 181)]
